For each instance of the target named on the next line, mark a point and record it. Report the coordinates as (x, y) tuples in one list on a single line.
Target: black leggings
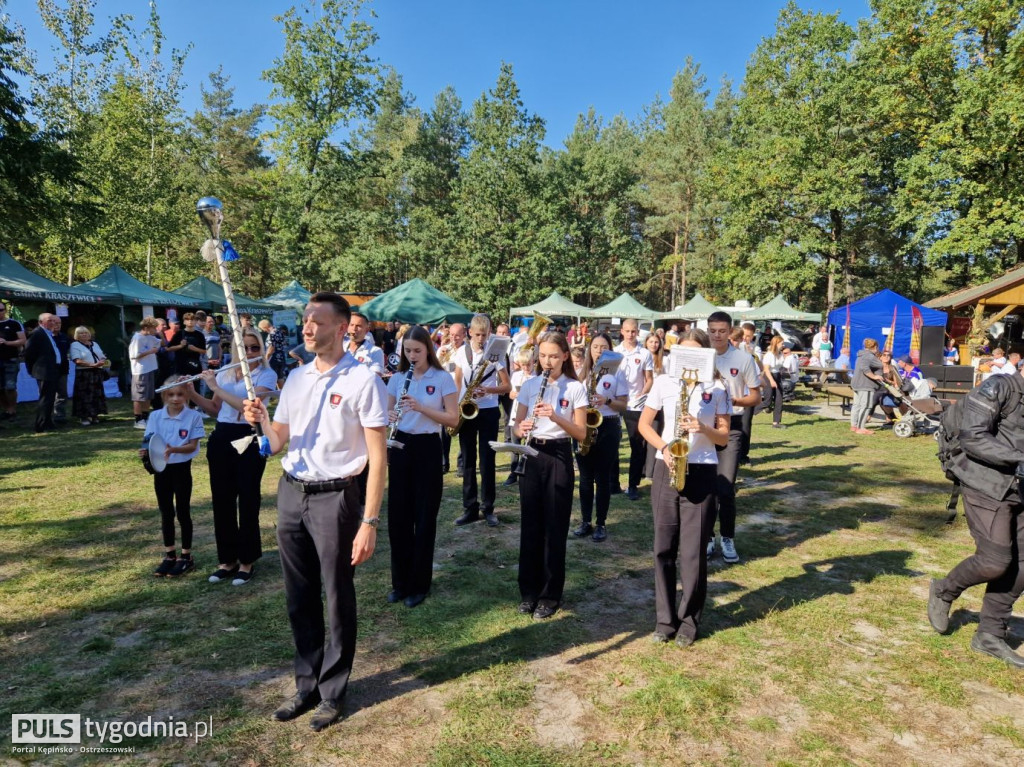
[(173, 488), (599, 467)]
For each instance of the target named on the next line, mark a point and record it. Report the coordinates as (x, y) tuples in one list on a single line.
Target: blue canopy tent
[(871, 317)]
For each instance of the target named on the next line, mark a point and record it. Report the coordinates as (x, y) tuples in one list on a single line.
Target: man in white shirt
[(446, 354), (742, 379), (332, 416), (638, 368), (361, 346)]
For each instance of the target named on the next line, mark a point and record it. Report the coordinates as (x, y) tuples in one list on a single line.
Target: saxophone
[(393, 427), (521, 466), (468, 409), (594, 417), (679, 447)]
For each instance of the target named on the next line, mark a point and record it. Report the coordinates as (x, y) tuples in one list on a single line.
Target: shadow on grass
[(836, 575)]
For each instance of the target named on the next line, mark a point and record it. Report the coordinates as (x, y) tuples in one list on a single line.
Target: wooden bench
[(845, 393)]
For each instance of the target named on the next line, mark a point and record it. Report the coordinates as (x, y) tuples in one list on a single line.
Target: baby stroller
[(917, 416)]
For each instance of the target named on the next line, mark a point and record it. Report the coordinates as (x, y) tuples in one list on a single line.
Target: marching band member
[(414, 478), (683, 519), (235, 479), (478, 432), (550, 423), (361, 346), (446, 355), (599, 466), (638, 367)]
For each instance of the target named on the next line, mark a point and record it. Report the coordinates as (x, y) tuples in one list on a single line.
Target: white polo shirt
[(707, 401), (176, 430), (610, 387), (143, 343), (740, 373), (465, 360), (262, 378), (430, 389), (564, 395), (635, 364), (370, 355), (325, 414)]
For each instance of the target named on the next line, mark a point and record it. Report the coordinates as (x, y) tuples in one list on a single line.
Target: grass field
[(815, 648)]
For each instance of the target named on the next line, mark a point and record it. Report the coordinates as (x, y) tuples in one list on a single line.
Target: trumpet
[(539, 325), (190, 379), (393, 427), (521, 466), (679, 447)]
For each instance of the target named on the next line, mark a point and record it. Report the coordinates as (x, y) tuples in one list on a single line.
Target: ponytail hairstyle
[(553, 337), (418, 334)]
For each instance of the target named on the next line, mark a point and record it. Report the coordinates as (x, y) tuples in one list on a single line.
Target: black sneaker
[(633, 494), (512, 480), (166, 566), (242, 577), (599, 533), (220, 574), (185, 564)]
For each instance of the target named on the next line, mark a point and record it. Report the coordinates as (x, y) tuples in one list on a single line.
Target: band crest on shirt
[(706, 396), (183, 433), (563, 403), (335, 399), (431, 389), (734, 372), (607, 384)]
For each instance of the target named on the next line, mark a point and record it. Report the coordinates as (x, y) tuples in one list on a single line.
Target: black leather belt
[(549, 441), (321, 486)]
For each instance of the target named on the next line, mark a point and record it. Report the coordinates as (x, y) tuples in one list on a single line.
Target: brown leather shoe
[(297, 705)]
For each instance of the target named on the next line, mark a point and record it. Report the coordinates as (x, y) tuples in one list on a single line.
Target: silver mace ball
[(211, 213)]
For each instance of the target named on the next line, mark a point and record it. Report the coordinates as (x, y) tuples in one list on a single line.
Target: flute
[(190, 379)]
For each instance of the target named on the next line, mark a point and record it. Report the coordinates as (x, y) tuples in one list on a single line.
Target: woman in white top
[(235, 479), (656, 346), (774, 369), (550, 423), (88, 401), (601, 463), (415, 479), (683, 520)]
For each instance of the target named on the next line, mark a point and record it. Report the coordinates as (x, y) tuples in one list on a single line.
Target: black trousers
[(775, 401), (598, 468), (998, 532), (505, 403), (314, 537), (475, 436), (748, 427), (682, 528), (725, 489), (446, 449), (545, 505), (414, 497), (173, 488), (44, 408), (637, 447), (235, 492)]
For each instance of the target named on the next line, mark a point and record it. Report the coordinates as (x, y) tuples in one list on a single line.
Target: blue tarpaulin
[(871, 317)]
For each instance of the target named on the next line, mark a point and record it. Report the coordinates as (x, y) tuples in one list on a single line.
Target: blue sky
[(568, 55)]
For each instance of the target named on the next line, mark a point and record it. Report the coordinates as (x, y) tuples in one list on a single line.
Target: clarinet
[(393, 428), (521, 467)]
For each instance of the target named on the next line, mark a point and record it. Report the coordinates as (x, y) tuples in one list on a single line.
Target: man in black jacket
[(42, 358), (992, 438)]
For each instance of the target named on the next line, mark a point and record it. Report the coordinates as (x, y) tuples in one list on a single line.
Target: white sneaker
[(140, 424), (711, 547), (729, 550)]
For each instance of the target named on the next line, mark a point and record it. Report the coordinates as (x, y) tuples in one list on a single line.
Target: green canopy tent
[(554, 305), (697, 308), (212, 296), (17, 282), (291, 296), (779, 309), (133, 292), (417, 302), (626, 307)]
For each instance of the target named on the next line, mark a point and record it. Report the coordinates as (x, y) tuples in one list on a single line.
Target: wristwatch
[(371, 522)]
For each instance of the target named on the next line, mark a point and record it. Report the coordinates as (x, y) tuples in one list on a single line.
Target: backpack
[(948, 437)]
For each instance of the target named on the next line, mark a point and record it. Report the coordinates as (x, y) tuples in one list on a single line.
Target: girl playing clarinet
[(551, 411), (414, 477)]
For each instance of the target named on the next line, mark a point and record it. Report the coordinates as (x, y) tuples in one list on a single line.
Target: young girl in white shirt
[(180, 429), (415, 479), (548, 423), (683, 519)]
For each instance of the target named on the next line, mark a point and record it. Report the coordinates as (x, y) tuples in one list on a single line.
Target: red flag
[(915, 335), (892, 334)]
